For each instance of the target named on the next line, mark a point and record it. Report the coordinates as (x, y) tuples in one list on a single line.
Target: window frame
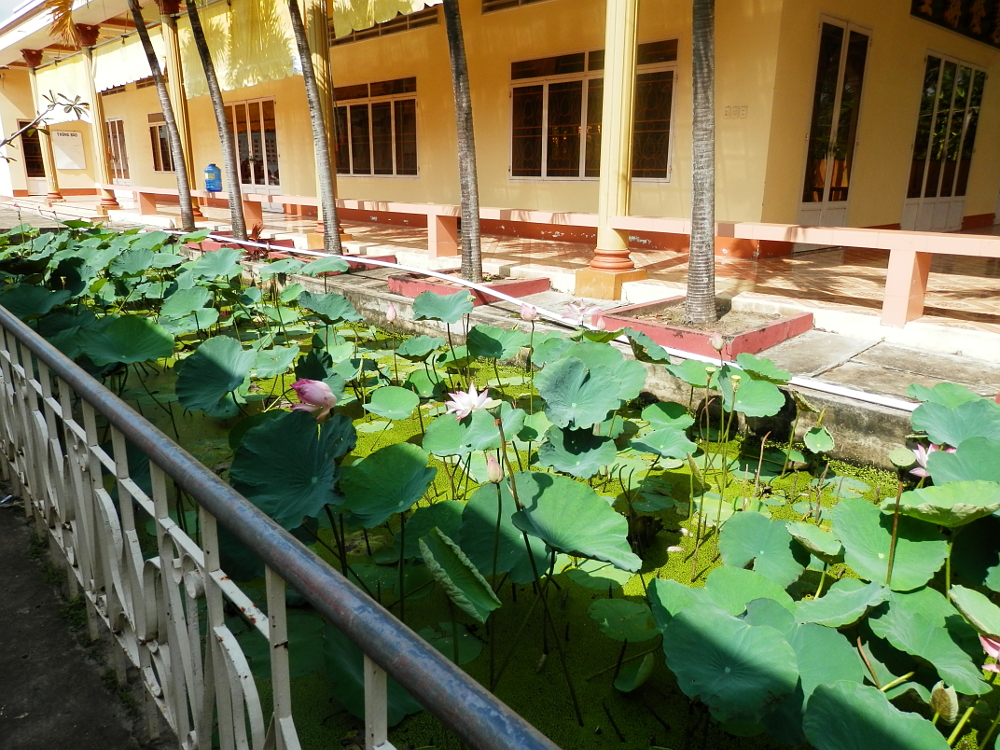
[(154, 128), (368, 101), (585, 76)]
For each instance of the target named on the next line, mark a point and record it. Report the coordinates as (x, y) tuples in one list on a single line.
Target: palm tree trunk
[(472, 258), (331, 237), (225, 134), (700, 304), (173, 136)]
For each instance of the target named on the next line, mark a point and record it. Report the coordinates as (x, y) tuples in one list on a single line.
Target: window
[(556, 114), (376, 128), (114, 133), (253, 126), (31, 150), (401, 22), (162, 159)]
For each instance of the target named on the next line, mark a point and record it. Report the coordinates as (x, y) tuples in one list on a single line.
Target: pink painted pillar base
[(442, 236), (905, 287)]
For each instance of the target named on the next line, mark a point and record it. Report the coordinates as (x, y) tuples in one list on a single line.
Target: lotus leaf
[(644, 348), (733, 588), (131, 263), (204, 318), (269, 363), (331, 307), (185, 301), (633, 675), (27, 300), (946, 394), (975, 458), (250, 296), (631, 375), (460, 579), (575, 394), (739, 670), (667, 414), (223, 262), (495, 343), (285, 465), (217, 367), (448, 308), (978, 610), (166, 260), (447, 436), (418, 348), (713, 506), (480, 527), (445, 515), (917, 635), (951, 504), (848, 716), (594, 574), (332, 264), (150, 240), (761, 368), (442, 638), (819, 440), (316, 365), (424, 384), (576, 452), (691, 371), (549, 347), (285, 265), (953, 426), (393, 402), (240, 428), (345, 668), (305, 646), (389, 481), (751, 537), (281, 315), (572, 518), (824, 544), (867, 536), (977, 558), (535, 426), (667, 598), (668, 442), (291, 293), (622, 620), (845, 603), (128, 339)]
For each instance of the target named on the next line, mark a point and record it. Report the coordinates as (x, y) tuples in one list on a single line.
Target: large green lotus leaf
[(867, 536), (549, 347), (442, 638), (644, 348), (332, 264), (667, 598), (577, 452), (601, 576), (480, 529), (204, 318), (128, 339), (305, 646), (953, 426), (316, 365), (269, 363), (952, 504), (150, 240), (845, 602), (691, 371), (285, 265), (740, 671), (185, 301), (975, 458), (946, 394), (345, 669), (978, 610), (762, 368), (495, 343), (535, 427), (448, 308), (575, 394), (217, 367), (131, 263), (631, 375), (633, 675), (572, 518), (331, 307), (752, 537), (27, 300), (460, 579), (752, 398), (393, 402), (976, 558), (917, 635), (419, 348), (447, 436), (425, 384), (823, 654), (166, 260), (824, 544), (446, 516), (623, 620), (223, 262), (667, 414), (387, 482), (848, 716), (285, 465), (733, 588), (668, 442)]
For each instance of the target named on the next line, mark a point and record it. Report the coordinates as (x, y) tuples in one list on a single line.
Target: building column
[(611, 265), (33, 57), (316, 20), (169, 9), (88, 38)]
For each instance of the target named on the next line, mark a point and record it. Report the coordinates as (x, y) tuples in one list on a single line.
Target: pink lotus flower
[(580, 313), (717, 342), (992, 648), (314, 396), (922, 454), (390, 313), (494, 472), (463, 404), (528, 313)]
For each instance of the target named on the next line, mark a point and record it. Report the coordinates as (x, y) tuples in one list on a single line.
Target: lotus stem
[(864, 658), (627, 660), (822, 580), (897, 681), (895, 533), (989, 734), (618, 662), (961, 724), (402, 567), (947, 562), (531, 370)]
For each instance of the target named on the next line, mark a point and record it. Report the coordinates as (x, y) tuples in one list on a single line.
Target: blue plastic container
[(213, 179)]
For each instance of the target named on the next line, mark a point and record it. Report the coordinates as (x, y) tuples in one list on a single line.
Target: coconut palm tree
[(472, 259), (331, 238), (700, 302), (229, 161)]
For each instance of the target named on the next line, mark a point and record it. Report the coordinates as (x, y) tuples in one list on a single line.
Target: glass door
[(253, 125), (114, 133), (943, 146), (34, 165), (833, 133)]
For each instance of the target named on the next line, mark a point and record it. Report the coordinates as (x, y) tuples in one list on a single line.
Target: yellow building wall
[(133, 107), (15, 104), (890, 103)]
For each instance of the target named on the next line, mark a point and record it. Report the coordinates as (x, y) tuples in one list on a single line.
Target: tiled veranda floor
[(963, 292)]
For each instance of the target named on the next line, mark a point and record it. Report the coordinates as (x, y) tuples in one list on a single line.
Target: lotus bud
[(710, 371), (944, 701), (736, 381), (717, 342), (494, 472), (601, 325), (390, 313), (528, 313)]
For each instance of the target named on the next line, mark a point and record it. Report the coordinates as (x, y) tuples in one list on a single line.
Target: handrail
[(466, 708)]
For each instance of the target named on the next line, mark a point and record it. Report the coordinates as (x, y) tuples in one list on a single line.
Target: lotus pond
[(623, 571)]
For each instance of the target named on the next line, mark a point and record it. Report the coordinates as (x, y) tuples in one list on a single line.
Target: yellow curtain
[(118, 63), (68, 78), (355, 15)]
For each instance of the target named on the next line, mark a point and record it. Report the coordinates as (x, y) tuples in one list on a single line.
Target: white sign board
[(67, 146)]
